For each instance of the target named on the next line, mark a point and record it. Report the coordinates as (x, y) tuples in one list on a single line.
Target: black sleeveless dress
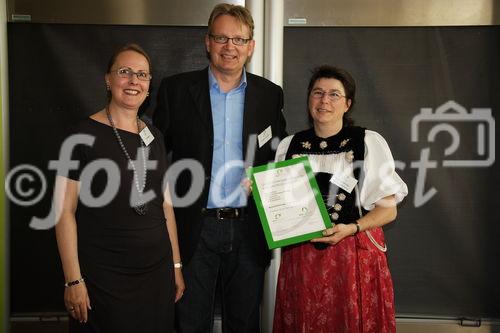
[(125, 258)]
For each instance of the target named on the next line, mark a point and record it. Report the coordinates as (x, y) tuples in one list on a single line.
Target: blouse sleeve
[(380, 177)]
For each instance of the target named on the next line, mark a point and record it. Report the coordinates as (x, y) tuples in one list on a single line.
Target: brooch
[(349, 156), (306, 145), (344, 142), (323, 144)]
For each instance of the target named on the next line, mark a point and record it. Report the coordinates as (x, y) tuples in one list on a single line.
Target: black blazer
[(184, 116)]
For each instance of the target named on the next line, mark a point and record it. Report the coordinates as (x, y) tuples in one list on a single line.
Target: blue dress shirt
[(227, 162)]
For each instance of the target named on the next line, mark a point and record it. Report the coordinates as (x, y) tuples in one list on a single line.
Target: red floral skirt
[(346, 287)]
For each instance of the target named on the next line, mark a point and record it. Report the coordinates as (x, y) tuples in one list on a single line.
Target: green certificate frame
[(274, 186)]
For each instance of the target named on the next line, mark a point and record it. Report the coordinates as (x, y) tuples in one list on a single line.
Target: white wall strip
[(256, 65)]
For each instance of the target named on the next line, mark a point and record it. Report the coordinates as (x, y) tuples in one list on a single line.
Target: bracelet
[(357, 228), (74, 283), (178, 264)]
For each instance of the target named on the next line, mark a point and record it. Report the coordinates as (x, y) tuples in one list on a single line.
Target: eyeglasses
[(332, 96), (127, 73), (236, 40)]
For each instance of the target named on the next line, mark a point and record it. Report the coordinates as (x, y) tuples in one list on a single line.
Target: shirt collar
[(212, 81)]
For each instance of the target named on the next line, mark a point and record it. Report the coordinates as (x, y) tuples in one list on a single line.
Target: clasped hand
[(335, 234)]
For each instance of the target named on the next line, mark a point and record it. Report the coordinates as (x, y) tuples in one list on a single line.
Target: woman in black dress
[(116, 234)]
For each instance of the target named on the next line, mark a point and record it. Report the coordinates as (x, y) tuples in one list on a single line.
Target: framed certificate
[(289, 202)]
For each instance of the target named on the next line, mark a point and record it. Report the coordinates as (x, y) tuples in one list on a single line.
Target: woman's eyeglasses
[(332, 96), (127, 73)]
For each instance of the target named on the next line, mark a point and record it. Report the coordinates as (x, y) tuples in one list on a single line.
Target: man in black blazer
[(221, 120)]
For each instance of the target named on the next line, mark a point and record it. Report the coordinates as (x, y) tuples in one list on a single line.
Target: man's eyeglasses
[(332, 96), (127, 73), (236, 40)]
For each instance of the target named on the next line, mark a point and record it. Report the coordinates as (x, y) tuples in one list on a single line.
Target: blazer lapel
[(200, 94), (250, 114)]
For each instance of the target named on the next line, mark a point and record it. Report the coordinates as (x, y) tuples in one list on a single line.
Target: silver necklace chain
[(140, 189)]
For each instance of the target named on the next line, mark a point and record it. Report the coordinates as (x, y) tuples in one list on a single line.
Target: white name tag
[(146, 136), (265, 136), (345, 182)]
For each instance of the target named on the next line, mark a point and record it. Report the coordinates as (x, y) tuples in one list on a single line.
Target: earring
[(147, 94), (108, 88)]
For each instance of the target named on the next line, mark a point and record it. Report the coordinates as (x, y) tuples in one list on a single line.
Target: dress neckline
[(111, 128)]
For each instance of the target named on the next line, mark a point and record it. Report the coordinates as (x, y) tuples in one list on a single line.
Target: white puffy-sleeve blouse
[(380, 177)]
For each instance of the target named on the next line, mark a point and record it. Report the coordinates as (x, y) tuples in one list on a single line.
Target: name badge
[(345, 182), (146, 136), (265, 136)]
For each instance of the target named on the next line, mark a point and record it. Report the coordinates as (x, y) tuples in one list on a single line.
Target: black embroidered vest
[(341, 205)]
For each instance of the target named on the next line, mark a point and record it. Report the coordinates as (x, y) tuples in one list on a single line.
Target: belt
[(224, 213)]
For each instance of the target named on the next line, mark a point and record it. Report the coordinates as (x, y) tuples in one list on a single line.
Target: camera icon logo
[(450, 114)]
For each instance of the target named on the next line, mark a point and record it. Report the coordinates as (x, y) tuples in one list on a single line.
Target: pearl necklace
[(141, 207)]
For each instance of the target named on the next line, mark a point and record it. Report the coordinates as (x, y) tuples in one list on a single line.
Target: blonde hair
[(238, 12)]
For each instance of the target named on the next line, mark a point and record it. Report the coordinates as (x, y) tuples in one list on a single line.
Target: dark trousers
[(222, 250)]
